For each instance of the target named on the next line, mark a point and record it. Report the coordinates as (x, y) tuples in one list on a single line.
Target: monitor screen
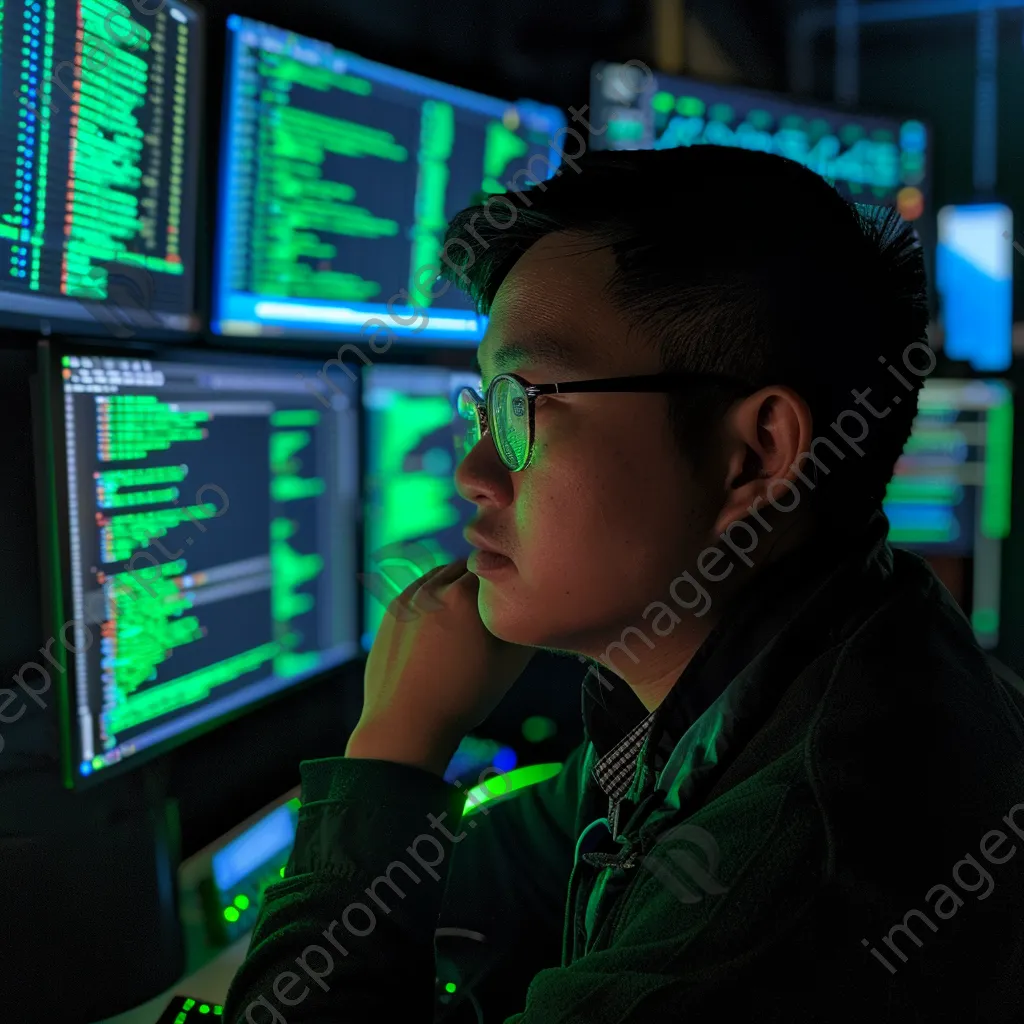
[(207, 539), (974, 276), (99, 132), (413, 516), (880, 161), (339, 176), (950, 496)]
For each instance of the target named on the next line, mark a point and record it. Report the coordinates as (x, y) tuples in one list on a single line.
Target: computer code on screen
[(951, 491), (874, 160), (211, 521), (414, 517), (99, 114), (339, 178)]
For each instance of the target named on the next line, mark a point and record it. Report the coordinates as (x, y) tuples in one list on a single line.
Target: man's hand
[(434, 675)]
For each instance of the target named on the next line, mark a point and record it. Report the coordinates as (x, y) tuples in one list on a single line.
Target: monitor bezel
[(55, 544), (78, 320)]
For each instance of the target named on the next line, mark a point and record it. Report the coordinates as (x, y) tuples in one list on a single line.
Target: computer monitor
[(950, 496), (99, 137), (204, 528), (413, 515), (880, 161), (339, 176)]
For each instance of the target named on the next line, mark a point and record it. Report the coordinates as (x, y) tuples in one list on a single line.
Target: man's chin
[(509, 617)]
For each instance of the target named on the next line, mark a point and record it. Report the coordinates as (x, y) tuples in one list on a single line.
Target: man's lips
[(486, 559), (481, 543)]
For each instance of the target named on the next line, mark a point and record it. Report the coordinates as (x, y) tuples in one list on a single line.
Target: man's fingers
[(449, 573), (421, 594), (429, 597)]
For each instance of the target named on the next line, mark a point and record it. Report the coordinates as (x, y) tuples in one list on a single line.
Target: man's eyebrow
[(544, 349)]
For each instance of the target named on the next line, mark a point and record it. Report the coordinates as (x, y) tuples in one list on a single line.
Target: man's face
[(608, 512)]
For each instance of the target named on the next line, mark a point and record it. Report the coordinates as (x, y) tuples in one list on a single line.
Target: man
[(801, 788)]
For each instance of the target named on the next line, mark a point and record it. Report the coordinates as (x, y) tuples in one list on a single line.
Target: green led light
[(690, 106), (97, 763), (189, 1003), (242, 901), (230, 914), (449, 986), (663, 102), (204, 1007), (282, 872), (218, 1010), (538, 728), (762, 120)]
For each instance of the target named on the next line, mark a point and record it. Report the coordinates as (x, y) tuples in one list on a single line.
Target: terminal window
[(98, 128), (339, 178), (414, 517), (211, 525)]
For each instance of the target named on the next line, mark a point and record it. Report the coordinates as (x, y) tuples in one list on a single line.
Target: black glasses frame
[(653, 383)]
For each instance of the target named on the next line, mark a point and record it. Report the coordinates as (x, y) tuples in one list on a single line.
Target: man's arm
[(350, 930), (503, 913)]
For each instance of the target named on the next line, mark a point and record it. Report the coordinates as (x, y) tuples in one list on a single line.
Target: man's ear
[(765, 434)]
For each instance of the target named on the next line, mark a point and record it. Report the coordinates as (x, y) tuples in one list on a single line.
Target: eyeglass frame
[(649, 383)]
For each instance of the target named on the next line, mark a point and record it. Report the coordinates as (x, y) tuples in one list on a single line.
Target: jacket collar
[(798, 600)]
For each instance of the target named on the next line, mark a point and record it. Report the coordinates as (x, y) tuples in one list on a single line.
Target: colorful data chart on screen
[(876, 160), (99, 129), (413, 517), (950, 494), (211, 519), (339, 178)]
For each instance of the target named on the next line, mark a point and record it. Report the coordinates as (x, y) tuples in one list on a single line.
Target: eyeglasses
[(507, 411)]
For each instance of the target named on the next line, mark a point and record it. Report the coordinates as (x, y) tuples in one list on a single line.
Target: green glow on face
[(230, 914), (242, 901), (449, 987), (538, 728), (510, 782), (663, 102)]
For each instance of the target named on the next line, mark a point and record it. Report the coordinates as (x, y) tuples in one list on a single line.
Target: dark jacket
[(833, 838)]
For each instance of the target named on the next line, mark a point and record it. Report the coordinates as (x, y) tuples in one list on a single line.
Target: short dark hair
[(741, 263)]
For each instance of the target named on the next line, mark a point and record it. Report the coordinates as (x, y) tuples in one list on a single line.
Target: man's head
[(706, 260)]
